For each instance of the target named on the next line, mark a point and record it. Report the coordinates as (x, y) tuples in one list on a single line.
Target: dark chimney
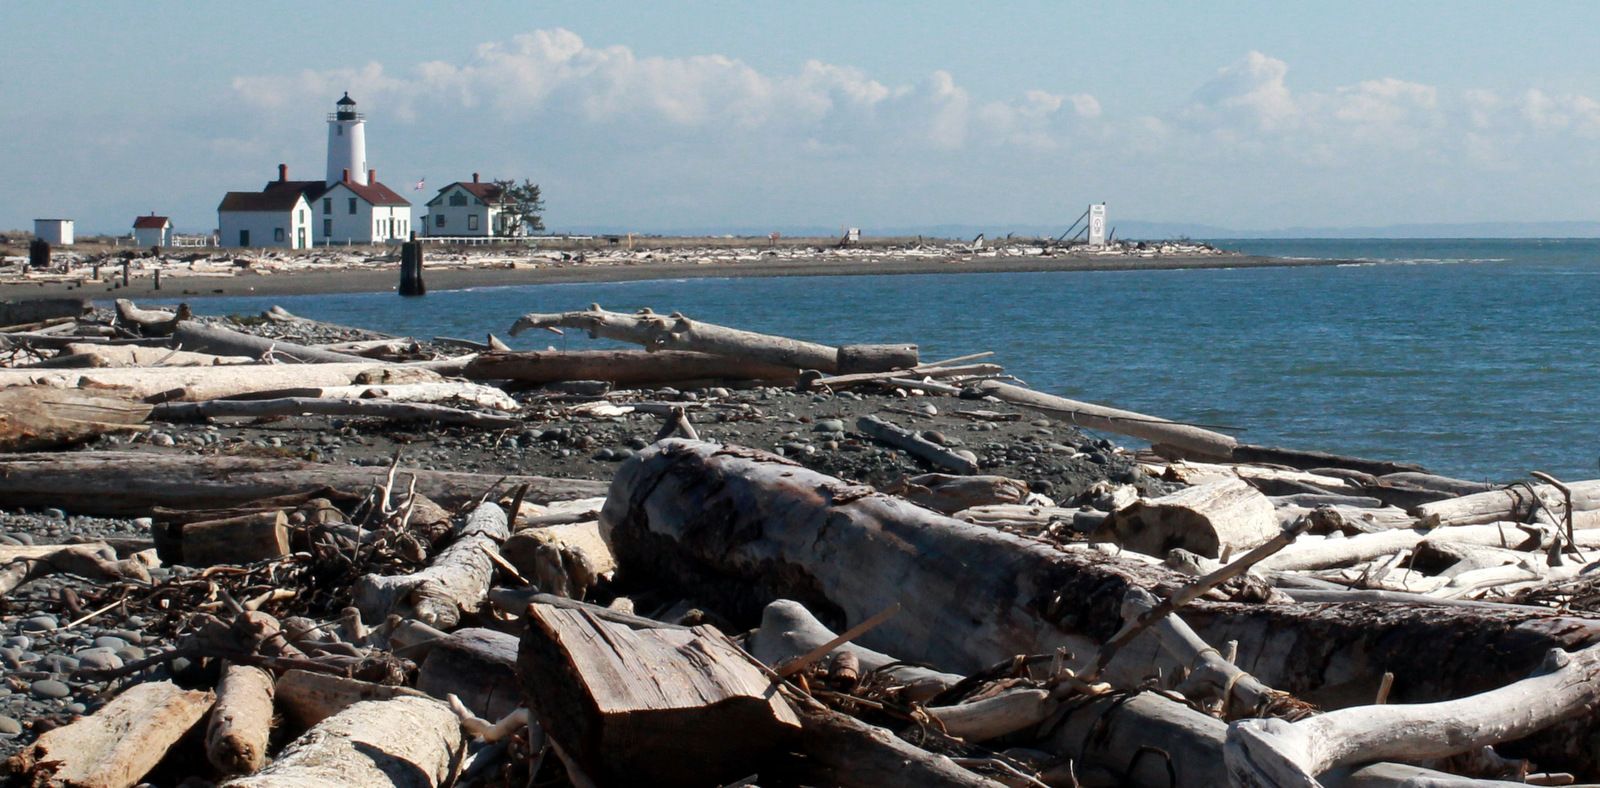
[(283, 173), (346, 177), (474, 177), (372, 177)]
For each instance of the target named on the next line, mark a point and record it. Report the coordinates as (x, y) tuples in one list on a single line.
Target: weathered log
[(32, 310), (444, 391), (915, 445), (42, 417), (150, 322), (97, 561), (684, 707), (950, 494), (117, 745), (235, 540), (456, 581), (203, 383), (1514, 503), (849, 753), (317, 406), (99, 355), (1315, 553), (222, 341), (622, 367), (676, 332), (1271, 752), (401, 742), (1261, 477), (118, 483), (479, 666), (1189, 440), (1443, 484), (875, 358), (924, 371), (533, 515), (569, 560), (236, 737), (307, 698), (1220, 516), (788, 630), (1306, 460)]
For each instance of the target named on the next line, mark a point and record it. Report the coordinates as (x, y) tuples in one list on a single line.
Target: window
[(341, 130), (327, 205), (472, 221), (302, 215), (244, 237), (352, 205), (277, 234), (327, 229), (458, 199), (438, 220)]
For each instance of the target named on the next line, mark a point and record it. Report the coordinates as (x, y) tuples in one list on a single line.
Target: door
[(301, 234), (244, 237)]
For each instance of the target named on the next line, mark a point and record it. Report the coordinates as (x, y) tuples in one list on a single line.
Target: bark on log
[(915, 445), (457, 581), (736, 528), (853, 359), (1208, 519), (1189, 441), (236, 737), (316, 406), (307, 698), (117, 745), (235, 540), (399, 743), (684, 707), (42, 417), (622, 367), (676, 332), (1511, 503), (127, 483), (567, 560), (96, 561), (479, 666), (203, 383), (227, 342), (950, 494)]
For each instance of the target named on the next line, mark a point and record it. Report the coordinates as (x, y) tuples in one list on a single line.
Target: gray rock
[(19, 641), (110, 642), (98, 659), (161, 439), (59, 663), (9, 727), (131, 653), (828, 425), (50, 689), (44, 622)]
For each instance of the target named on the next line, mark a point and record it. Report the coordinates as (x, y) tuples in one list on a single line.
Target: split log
[(1513, 503), (568, 560), (42, 417), (684, 707), (1225, 515), (915, 445), (203, 383), (1188, 440), (402, 742), (128, 483), (622, 367), (676, 332), (119, 744), (227, 342), (457, 581), (235, 540), (151, 322), (308, 698), (950, 494), (479, 666), (99, 355), (236, 737), (316, 406), (1269, 752), (96, 561)]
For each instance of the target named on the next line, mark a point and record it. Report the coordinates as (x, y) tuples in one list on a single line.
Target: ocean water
[(1475, 358)]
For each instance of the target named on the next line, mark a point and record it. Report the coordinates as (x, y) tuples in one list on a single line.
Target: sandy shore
[(456, 277)]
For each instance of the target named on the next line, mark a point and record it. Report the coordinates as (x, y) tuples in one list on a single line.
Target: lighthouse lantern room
[(347, 143)]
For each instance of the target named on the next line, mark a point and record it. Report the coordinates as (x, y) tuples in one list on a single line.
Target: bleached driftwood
[(788, 630), (915, 445), (404, 742), (456, 581), (203, 383), (318, 406), (441, 392), (569, 560), (236, 737), (96, 560), (676, 332), (189, 335), (623, 367), (116, 746), (150, 322), (307, 698), (97, 355), (1223, 515), (1316, 553), (1196, 441), (1513, 503), (478, 666), (950, 494), (43, 417)]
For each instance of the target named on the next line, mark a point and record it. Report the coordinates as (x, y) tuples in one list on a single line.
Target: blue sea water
[(1475, 358)]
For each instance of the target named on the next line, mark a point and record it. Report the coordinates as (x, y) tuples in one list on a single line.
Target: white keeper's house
[(469, 208), (279, 218), (349, 206), (151, 231)]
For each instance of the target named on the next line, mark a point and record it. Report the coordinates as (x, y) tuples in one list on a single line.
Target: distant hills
[(1144, 230)]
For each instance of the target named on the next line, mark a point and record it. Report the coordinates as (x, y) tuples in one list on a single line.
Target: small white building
[(468, 209), (58, 232), (152, 230), (1097, 224), (361, 213), (279, 218)]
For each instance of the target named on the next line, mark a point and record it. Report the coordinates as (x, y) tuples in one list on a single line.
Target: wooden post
[(125, 263), (411, 268), (158, 279)]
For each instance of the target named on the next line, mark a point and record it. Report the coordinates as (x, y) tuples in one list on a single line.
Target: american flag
[(418, 187)]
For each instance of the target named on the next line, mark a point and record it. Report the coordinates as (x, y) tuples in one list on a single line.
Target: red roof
[(488, 192), (150, 222), (375, 193)]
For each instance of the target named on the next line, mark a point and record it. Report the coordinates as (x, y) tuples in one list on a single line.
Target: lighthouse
[(347, 143)]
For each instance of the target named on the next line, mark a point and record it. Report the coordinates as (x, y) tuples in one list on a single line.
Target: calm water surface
[(1475, 358)]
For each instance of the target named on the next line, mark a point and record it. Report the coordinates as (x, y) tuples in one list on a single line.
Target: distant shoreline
[(456, 277)]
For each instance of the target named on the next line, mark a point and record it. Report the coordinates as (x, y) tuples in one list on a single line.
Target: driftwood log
[(622, 367), (97, 561), (307, 698), (1223, 515), (318, 406), (404, 742), (235, 540), (676, 332), (479, 666), (950, 494), (236, 737), (44, 417), (1514, 503), (189, 335), (1187, 440), (569, 559), (915, 445), (79, 354), (116, 746), (150, 322), (125, 483), (456, 581)]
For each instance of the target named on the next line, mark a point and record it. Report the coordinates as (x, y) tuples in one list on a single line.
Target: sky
[(743, 116)]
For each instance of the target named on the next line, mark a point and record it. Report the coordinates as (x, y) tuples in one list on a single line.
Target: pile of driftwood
[(718, 615)]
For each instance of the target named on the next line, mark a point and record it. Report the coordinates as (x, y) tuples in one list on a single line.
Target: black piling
[(39, 253), (411, 268)]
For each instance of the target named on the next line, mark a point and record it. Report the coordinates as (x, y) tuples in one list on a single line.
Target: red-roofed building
[(361, 213), (468, 208), (150, 231)]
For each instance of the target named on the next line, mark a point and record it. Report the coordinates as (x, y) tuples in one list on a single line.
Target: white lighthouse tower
[(347, 143)]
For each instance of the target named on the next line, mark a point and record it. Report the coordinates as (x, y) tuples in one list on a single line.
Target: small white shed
[(151, 231), (58, 232)]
